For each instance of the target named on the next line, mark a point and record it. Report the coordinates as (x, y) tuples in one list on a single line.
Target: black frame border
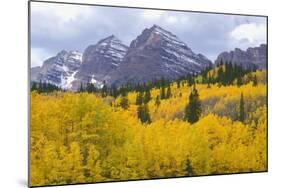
[(145, 8)]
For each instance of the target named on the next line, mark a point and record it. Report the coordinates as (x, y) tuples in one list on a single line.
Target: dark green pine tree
[(189, 169), (104, 90), (220, 77), (114, 91), (147, 118), (90, 88), (147, 96), (40, 87), (81, 89), (221, 63), (34, 86), (162, 93), (178, 84), (208, 84), (182, 83), (124, 103), (208, 81), (139, 98), (157, 101), (230, 74), (255, 81), (169, 93), (44, 87), (241, 109), (49, 87), (193, 109), (143, 113), (190, 80), (140, 112), (239, 81)]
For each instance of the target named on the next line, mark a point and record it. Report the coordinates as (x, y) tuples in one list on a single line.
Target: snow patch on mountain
[(167, 35), (112, 47), (97, 83), (67, 81), (60, 69)]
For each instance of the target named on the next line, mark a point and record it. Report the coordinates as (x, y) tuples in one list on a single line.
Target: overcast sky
[(55, 27)]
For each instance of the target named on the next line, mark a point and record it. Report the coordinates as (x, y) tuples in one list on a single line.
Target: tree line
[(43, 87), (226, 74)]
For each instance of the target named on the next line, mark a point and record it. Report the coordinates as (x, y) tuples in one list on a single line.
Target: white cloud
[(164, 17), (172, 19), (63, 12), (252, 33), (152, 14), (72, 27), (51, 19), (38, 55)]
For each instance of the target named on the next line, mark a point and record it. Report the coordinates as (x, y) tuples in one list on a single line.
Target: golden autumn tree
[(90, 137)]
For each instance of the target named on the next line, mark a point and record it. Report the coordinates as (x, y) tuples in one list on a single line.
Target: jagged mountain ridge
[(58, 70), (99, 60), (156, 54), (253, 56)]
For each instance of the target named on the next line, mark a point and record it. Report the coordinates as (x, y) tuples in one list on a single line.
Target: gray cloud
[(60, 26)]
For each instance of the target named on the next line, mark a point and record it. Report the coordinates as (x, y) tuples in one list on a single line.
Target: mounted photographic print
[(126, 93)]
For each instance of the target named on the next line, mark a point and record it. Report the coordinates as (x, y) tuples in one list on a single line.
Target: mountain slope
[(252, 56), (99, 60), (58, 70), (156, 54)]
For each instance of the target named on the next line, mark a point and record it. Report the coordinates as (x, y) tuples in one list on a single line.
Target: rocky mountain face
[(99, 60), (58, 70), (34, 72), (156, 54), (256, 56)]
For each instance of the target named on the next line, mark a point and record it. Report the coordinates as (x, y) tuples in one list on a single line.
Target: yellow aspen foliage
[(84, 137)]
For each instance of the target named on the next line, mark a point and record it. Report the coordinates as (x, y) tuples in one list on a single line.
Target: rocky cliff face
[(156, 54), (34, 72), (58, 70), (256, 56), (99, 60)]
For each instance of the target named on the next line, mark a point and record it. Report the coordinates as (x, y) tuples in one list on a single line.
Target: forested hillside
[(211, 123)]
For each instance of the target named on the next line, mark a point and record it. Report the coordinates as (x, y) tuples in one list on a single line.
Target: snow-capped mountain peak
[(156, 53), (99, 60), (168, 36), (112, 47), (60, 69), (75, 55)]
